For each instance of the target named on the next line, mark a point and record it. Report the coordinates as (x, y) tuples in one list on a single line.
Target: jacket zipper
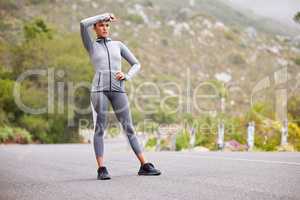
[(108, 57), (99, 78)]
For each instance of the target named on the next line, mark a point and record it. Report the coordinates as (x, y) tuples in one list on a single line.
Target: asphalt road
[(68, 171)]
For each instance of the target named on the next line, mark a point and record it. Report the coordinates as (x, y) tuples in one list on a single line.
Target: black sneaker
[(103, 173), (148, 169)]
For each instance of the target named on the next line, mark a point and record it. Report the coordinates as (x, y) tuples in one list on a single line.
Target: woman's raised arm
[(84, 28)]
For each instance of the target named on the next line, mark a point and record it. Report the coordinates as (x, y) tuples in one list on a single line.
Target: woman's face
[(102, 29)]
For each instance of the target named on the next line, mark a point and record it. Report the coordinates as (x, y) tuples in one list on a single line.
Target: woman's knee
[(128, 127)]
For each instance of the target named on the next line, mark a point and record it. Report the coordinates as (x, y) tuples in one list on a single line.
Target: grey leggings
[(120, 105)]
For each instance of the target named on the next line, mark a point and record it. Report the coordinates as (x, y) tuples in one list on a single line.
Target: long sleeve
[(131, 59), (85, 32)]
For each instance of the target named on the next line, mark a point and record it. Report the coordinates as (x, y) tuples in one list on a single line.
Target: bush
[(267, 143), (235, 130), (6, 98), (206, 129), (6, 134), (3, 118), (267, 131), (207, 140), (57, 128), (151, 143), (7, 104), (4, 72), (182, 140), (267, 135), (294, 135), (37, 126), (14, 135), (22, 136)]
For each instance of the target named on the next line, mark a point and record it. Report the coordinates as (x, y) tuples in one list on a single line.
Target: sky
[(281, 10)]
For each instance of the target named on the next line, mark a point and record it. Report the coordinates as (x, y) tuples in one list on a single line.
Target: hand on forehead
[(109, 18)]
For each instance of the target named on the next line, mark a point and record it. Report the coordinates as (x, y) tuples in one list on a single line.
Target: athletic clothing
[(106, 55), (120, 105)]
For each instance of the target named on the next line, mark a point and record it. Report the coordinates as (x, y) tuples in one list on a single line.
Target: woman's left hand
[(120, 75)]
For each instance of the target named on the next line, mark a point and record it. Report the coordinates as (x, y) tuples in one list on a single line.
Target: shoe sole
[(149, 174), (105, 178)]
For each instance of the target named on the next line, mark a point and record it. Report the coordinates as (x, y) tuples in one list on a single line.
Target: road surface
[(68, 171)]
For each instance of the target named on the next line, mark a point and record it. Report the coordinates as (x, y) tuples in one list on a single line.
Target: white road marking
[(243, 159)]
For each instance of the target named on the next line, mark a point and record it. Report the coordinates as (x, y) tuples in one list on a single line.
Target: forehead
[(100, 23)]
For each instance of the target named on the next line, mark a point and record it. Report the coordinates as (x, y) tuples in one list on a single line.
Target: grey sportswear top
[(106, 55)]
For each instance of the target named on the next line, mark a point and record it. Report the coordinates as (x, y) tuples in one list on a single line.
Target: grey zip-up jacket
[(106, 55)]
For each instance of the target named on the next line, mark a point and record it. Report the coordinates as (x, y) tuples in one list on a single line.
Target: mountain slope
[(179, 42)]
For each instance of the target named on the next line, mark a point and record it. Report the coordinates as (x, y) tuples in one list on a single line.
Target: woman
[(108, 86)]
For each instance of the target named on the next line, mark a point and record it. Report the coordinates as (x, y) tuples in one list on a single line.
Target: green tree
[(8, 108), (297, 17), (36, 28)]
